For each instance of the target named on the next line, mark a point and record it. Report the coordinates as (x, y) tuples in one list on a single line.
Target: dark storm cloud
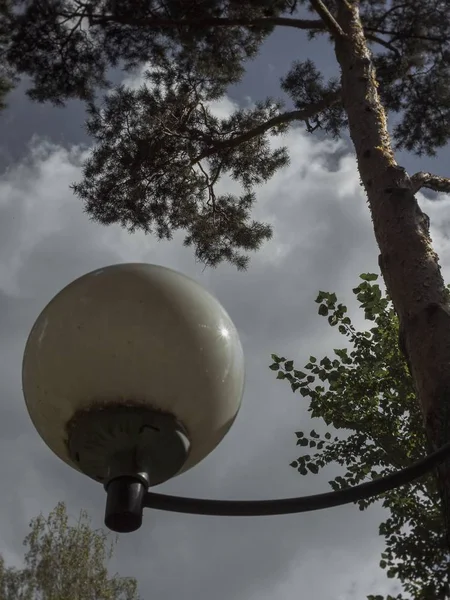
[(322, 240), (272, 305)]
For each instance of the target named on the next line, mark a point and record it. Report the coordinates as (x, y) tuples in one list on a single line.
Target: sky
[(322, 240)]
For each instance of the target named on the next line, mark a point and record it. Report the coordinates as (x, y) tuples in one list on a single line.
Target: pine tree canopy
[(160, 151)]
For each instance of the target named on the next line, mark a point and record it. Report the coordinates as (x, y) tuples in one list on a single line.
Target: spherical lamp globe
[(133, 356)]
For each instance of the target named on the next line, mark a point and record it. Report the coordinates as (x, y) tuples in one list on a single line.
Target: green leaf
[(299, 434), (328, 436), (312, 444), (275, 358), (341, 352), (302, 442), (304, 392), (281, 375), (313, 468), (299, 374), (383, 564), (294, 464), (390, 573), (274, 367), (289, 365), (323, 310), (312, 359), (295, 386), (368, 276)]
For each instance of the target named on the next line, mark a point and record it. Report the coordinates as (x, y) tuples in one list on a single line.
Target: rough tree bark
[(408, 263)]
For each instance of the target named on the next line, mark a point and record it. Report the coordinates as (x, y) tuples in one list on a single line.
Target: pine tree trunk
[(407, 260)]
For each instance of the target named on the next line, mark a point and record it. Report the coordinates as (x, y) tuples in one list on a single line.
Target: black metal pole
[(285, 506)]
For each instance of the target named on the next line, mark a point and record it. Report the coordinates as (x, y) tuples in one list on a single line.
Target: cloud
[(322, 240)]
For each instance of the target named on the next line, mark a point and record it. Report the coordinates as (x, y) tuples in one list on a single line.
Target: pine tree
[(160, 151), (6, 86), (8, 76)]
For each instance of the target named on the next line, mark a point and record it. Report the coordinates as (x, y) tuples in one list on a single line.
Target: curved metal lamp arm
[(247, 508)]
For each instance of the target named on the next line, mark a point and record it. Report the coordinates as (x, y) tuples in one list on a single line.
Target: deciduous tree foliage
[(65, 561), (159, 151), (366, 390)]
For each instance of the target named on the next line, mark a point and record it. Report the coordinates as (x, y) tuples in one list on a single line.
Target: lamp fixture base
[(124, 504), (127, 448)]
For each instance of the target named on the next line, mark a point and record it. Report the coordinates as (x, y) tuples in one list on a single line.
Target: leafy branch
[(365, 390)]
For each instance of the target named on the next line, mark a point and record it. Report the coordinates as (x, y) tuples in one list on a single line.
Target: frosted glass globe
[(138, 335)]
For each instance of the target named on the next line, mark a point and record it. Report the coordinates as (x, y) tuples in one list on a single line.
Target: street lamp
[(133, 374)]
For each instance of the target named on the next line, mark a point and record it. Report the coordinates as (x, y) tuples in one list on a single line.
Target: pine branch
[(381, 42), (156, 23), (332, 25), (430, 181), (164, 23), (412, 36), (295, 115)]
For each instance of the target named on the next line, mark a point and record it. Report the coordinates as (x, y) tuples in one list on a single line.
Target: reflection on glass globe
[(134, 335)]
